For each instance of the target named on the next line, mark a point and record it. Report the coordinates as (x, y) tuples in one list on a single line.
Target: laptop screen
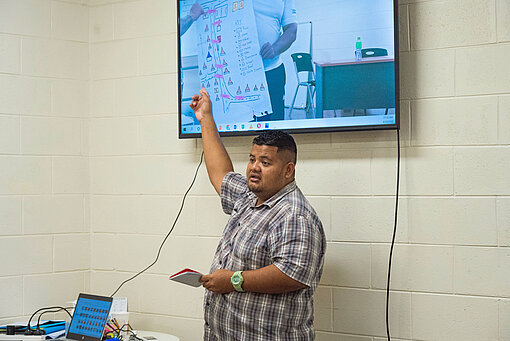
[(89, 318)]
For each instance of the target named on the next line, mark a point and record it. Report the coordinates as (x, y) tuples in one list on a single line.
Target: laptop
[(89, 318)]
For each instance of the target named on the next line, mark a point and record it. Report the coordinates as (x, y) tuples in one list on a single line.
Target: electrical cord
[(392, 241), (133, 334), (29, 329), (52, 311), (168, 234), (128, 330)]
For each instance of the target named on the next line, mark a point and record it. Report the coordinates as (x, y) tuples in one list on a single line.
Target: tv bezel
[(332, 129)]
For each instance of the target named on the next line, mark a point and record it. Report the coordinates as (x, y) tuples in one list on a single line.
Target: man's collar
[(275, 198)]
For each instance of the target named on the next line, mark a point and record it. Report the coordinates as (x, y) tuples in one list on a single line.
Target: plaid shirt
[(284, 231)]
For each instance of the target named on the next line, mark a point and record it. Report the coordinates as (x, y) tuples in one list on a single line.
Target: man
[(194, 13), (269, 260), (277, 29)]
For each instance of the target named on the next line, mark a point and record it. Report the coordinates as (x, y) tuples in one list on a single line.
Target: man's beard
[(254, 188)]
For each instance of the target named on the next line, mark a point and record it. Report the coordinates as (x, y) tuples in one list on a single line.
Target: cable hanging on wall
[(169, 232), (392, 240)]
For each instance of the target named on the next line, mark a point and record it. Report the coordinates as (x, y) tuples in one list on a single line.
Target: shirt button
[(221, 263)]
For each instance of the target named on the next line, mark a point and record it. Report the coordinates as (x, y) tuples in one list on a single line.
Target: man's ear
[(290, 167)]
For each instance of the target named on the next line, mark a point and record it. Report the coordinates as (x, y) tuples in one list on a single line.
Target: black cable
[(128, 330), (392, 240), (38, 310), (53, 311), (133, 333), (168, 234)]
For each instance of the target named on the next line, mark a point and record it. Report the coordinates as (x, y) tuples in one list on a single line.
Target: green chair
[(303, 63), (373, 52)]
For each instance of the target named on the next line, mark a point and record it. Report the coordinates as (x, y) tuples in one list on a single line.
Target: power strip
[(20, 337)]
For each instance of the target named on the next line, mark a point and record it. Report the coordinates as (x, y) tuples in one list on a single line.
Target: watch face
[(236, 280)]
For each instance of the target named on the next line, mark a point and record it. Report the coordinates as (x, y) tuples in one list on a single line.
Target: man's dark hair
[(279, 139)]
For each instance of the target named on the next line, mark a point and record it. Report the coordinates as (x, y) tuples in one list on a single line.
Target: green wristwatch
[(237, 281)]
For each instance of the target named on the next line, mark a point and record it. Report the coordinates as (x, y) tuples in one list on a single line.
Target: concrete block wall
[(44, 234), (139, 169), (451, 261)]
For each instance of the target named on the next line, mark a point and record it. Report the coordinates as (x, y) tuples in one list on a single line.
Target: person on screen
[(194, 13), (277, 29), (270, 258)]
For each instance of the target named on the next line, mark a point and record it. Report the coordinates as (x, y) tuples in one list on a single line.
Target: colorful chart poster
[(230, 66)]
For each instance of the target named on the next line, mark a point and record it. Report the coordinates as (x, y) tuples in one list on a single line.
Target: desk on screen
[(350, 84)]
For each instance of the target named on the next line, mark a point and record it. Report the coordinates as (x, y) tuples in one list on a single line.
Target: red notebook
[(187, 276)]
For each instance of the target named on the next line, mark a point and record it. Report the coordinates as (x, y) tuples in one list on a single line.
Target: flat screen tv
[(293, 65)]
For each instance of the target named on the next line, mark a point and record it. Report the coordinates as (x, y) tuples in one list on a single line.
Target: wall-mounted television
[(293, 65)]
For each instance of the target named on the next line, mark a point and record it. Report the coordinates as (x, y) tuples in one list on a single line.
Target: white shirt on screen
[(271, 16)]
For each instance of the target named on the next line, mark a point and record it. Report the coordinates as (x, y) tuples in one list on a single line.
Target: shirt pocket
[(250, 249)]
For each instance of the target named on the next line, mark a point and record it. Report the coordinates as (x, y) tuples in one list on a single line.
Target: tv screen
[(293, 65)]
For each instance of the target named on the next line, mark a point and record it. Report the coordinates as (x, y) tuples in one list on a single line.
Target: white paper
[(56, 334), (187, 276), (229, 63), (119, 305)]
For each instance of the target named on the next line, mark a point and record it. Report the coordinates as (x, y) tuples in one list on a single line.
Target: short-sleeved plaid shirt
[(284, 231)]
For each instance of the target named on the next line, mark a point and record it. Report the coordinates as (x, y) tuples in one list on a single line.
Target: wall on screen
[(336, 24), (335, 27)]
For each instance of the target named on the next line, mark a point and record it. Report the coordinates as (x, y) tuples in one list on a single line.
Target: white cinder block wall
[(44, 234), (452, 259)]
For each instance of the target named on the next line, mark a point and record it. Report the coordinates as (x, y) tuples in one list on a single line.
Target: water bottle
[(358, 49)]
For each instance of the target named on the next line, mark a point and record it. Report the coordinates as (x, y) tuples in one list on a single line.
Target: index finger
[(204, 93), (204, 278)]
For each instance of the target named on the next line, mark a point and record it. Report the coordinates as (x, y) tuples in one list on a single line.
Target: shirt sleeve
[(289, 13), (233, 185), (298, 249)]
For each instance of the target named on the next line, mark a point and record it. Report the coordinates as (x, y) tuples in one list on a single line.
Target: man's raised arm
[(217, 161)]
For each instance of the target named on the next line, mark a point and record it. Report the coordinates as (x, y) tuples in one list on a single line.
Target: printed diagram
[(229, 64)]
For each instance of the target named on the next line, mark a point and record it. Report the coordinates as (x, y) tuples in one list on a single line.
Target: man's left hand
[(196, 11), (267, 51), (218, 282)]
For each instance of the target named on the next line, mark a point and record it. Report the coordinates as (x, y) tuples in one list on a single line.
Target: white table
[(149, 336)]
